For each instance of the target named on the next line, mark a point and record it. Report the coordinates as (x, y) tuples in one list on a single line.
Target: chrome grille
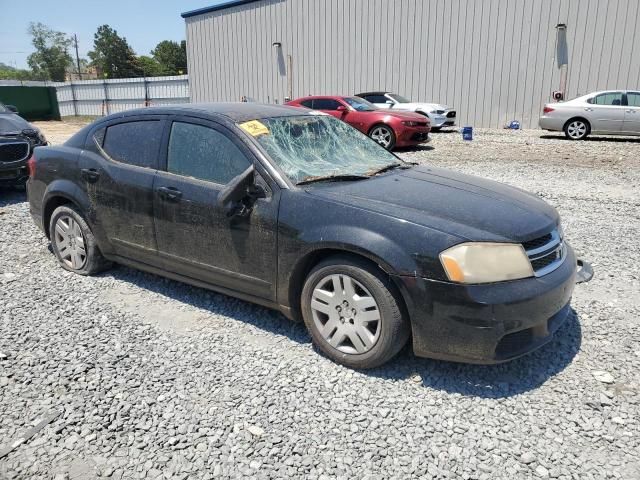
[(14, 151), (546, 253)]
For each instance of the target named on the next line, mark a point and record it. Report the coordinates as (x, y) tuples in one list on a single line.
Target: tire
[(383, 135), (356, 340), (73, 242), (577, 129)]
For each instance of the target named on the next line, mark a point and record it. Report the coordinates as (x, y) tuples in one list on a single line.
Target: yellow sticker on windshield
[(255, 128)]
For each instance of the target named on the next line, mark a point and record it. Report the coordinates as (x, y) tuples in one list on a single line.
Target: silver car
[(614, 112)]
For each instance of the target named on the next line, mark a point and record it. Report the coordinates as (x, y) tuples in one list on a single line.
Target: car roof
[(234, 111), (371, 93)]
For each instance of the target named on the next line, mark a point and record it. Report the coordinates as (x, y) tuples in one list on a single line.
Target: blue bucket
[(467, 133)]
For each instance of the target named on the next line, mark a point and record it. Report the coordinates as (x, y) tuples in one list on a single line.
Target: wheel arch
[(307, 262), (578, 117), (58, 193)]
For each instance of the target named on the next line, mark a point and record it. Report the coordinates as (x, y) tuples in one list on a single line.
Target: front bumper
[(413, 136), (488, 323), (14, 175)]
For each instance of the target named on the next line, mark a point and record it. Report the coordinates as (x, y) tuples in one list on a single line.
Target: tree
[(7, 72), (172, 56), (113, 55), (149, 66), (51, 58)]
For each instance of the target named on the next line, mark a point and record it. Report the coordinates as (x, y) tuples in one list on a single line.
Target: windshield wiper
[(332, 178), (392, 166)]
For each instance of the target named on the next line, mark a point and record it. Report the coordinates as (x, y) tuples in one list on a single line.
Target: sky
[(143, 23)]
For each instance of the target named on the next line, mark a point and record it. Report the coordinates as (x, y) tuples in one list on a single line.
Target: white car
[(613, 112), (440, 115)]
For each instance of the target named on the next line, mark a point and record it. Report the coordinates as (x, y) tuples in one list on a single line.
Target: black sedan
[(17, 140), (295, 210)]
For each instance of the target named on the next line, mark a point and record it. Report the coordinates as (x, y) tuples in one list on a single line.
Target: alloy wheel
[(70, 242), (577, 129), (346, 314), (382, 135)]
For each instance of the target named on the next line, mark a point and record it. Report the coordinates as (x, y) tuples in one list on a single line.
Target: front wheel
[(577, 129), (383, 134), (353, 314)]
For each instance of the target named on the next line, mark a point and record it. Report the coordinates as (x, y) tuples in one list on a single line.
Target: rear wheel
[(353, 314), (577, 129), (383, 134), (73, 242)]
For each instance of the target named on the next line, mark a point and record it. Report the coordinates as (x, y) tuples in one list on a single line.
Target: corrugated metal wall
[(102, 97), (493, 60)]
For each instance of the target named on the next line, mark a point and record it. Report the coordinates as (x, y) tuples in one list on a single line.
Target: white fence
[(102, 97)]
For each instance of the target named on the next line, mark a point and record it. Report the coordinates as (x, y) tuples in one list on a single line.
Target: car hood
[(404, 115), (10, 123), (468, 207), (427, 107)]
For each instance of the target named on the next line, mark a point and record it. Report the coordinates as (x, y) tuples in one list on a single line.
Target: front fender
[(390, 256)]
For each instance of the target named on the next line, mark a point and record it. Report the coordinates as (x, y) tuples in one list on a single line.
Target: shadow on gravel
[(492, 381), (486, 381), (11, 196), (594, 139), (212, 302), (415, 148)]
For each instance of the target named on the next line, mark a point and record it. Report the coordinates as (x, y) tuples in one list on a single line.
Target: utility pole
[(75, 43)]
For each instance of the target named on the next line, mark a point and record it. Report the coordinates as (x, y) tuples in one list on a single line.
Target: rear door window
[(134, 143), (325, 104), (204, 153), (610, 98), (376, 98)]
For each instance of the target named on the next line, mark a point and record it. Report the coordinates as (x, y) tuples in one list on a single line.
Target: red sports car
[(389, 129)]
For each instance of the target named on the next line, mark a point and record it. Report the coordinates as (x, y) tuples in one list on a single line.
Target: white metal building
[(493, 60)]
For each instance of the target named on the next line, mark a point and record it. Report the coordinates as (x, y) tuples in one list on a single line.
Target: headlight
[(486, 262), (410, 123)]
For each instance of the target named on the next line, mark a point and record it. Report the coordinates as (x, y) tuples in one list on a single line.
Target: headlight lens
[(486, 262), (410, 123)]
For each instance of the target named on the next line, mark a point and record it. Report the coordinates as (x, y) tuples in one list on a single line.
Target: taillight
[(547, 109), (31, 165)]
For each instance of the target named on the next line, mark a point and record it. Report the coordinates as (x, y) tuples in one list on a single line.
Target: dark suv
[(298, 211), (17, 140)]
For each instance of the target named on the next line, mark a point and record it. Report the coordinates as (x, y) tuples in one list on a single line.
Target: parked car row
[(392, 122), (18, 138), (613, 112)]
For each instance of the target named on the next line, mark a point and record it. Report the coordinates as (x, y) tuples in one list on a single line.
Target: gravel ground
[(156, 379)]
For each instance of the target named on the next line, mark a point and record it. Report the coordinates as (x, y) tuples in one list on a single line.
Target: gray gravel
[(156, 379)]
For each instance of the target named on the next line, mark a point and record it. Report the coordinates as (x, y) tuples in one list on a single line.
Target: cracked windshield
[(317, 146)]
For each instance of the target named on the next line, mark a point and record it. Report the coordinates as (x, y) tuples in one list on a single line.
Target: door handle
[(171, 194), (91, 175), (630, 111)]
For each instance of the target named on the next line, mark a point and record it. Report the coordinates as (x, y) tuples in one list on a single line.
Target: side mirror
[(341, 108), (238, 196), (390, 103), (12, 108)]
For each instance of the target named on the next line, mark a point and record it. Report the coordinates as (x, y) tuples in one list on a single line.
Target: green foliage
[(172, 56), (8, 72), (113, 55), (51, 58), (150, 67)]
